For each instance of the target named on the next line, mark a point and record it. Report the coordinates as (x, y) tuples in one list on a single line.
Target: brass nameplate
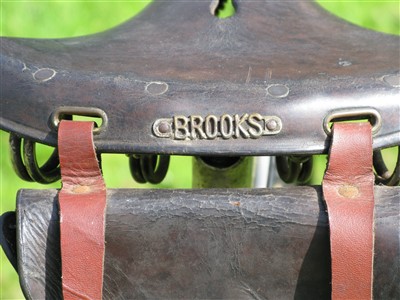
[(196, 127)]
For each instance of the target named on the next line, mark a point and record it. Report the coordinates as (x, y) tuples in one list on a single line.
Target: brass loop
[(65, 112), (383, 176), (353, 114)]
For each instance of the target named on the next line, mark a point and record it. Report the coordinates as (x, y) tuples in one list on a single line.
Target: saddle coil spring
[(149, 168), (152, 168), (383, 176), (294, 168), (27, 167)]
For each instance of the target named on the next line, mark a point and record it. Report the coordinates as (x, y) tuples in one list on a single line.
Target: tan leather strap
[(348, 192), (82, 201)]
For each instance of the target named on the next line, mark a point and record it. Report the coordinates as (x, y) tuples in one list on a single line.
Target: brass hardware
[(353, 114), (60, 112), (211, 127)]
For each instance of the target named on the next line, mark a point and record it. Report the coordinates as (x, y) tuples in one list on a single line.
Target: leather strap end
[(82, 202), (349, 195)]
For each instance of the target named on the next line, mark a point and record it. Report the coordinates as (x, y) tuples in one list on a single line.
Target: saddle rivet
[(164, 127), (278, 90), (156, 88), (393, 80), (272, 125), (348, 191)]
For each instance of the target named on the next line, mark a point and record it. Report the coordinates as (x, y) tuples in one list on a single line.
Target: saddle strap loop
[(82, 201), (348, 192)]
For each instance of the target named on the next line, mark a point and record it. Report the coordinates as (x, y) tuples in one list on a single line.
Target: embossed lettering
[(211, 126), (226, 126), (238, 126), (181, 129), (196, 123), (256, 129)]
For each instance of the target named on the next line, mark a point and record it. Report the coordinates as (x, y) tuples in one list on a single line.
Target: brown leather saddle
[(176, 80)]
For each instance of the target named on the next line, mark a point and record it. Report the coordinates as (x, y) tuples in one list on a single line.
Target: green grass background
[(56, 19)]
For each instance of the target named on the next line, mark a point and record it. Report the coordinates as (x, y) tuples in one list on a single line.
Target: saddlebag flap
[(207, 244)]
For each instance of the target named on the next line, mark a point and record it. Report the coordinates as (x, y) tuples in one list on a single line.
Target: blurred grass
[(56, 19), (380, 15)]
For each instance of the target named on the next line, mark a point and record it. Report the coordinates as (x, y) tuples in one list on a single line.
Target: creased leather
[(82, 202), (348, 192)]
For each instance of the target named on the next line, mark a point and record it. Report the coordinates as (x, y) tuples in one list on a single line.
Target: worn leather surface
[(176, 58), (82, 202), (207, 244), (349, 195)]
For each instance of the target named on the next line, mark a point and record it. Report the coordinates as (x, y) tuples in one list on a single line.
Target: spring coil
[(26, 166), (299, 168), (383, 176), (294, 168), (153, 168), (149, 168)]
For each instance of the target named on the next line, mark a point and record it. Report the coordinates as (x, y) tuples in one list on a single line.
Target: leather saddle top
[(289, 60)]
